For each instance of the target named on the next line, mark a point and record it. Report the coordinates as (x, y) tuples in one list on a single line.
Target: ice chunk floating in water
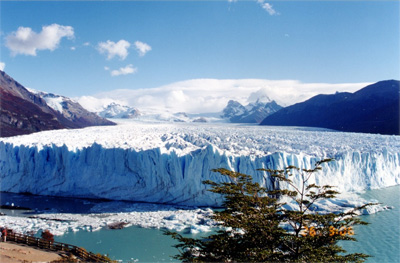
[(166, 163), (138, 214)]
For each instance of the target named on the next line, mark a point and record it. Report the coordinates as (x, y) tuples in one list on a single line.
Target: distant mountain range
[(24, 112), (234, 112), (373, 109), (252, 113)]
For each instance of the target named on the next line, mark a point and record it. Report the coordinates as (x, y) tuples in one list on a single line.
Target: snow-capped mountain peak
[(254, 112), (115, 110), (260, 96), (234, 108)]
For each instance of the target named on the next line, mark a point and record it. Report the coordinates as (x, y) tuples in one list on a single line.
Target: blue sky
[(86, 47)]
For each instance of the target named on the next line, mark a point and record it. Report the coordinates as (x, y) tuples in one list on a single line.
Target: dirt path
[(12, 253)]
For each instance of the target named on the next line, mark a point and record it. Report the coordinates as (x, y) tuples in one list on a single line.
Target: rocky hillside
[(23, 112), (73, 111)]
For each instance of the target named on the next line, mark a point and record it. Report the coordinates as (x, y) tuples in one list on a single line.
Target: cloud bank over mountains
[(212, 95)]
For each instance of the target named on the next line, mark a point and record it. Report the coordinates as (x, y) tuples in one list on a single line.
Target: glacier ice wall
[(170, 165)]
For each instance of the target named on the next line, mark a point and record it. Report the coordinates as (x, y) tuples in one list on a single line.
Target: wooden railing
[(55, 246)]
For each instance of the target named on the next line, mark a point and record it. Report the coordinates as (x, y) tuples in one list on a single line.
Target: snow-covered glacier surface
[(167, 163)]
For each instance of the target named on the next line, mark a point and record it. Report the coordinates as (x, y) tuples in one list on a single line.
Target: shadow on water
[(37, 204)]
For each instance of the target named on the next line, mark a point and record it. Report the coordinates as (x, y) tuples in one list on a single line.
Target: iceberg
[(167, 163), (138, 214)]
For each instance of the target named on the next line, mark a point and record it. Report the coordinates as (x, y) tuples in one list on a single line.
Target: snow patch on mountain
[(71, 110), (56, 102)]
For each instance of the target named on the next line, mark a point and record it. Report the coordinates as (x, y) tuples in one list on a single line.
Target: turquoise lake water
[(381, 238)]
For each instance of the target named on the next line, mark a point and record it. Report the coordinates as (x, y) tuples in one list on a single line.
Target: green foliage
[(254, 226)]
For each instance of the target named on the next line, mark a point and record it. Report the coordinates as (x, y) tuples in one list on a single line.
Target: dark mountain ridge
[(23, 112), (373, 109)]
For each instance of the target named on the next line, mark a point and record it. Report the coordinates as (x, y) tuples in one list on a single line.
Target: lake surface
[(129, 244), (381, 238)]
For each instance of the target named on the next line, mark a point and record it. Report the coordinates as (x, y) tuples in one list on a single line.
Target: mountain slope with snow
[(72, 111), (254, 112), (24, 111), (166, 163)]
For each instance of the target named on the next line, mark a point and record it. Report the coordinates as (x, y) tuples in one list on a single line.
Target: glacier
[(167, 163)]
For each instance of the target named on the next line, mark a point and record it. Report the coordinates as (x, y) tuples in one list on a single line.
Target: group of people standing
[(3, 234)]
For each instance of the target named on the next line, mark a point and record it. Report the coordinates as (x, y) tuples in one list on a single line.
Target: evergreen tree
[(255, 227)]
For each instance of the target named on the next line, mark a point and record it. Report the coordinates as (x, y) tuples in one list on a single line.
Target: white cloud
[(112, 49), (129, 69), (267, 7), (26, 41), (260, 95), (142, 48), (73, 48), (95, 104), (212, 95), (86, 44), (2, 66)]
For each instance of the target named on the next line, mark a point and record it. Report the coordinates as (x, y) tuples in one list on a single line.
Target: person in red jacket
[(4, 234)]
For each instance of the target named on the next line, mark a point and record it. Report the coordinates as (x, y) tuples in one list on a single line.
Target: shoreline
[(11, 252)]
